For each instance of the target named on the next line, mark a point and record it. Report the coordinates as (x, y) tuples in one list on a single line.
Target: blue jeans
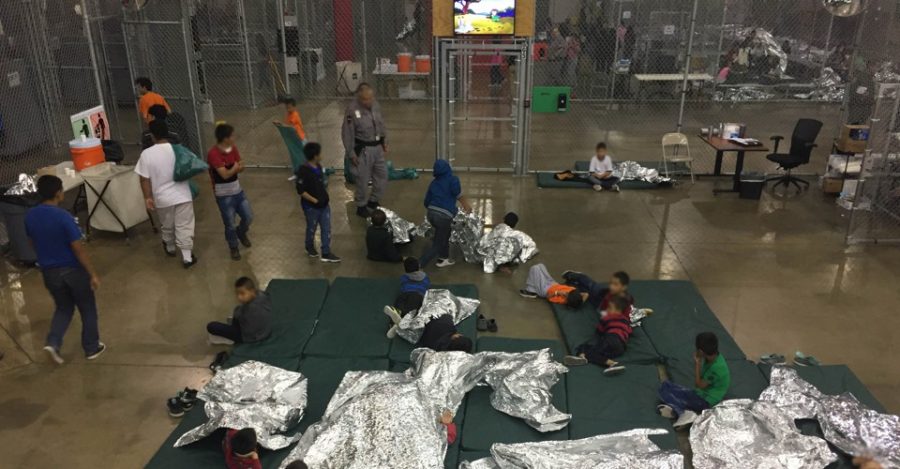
[(71, 287), (318, 217), (440, 245), (681, 398), (232, 205)]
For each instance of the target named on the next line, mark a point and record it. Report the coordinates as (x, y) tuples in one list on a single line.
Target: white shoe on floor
[(54, 354), (445, 262), (685, 420), (666, 411), (213, 339), (393, 313), (598, 188), (392, 332)]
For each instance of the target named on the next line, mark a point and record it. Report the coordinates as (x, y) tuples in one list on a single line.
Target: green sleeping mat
[(324, 375), (578, 326), (400, 348), (206, 452), (508, 344), (286, 363), (833, 380), (352, 323), (546, 179), (680, 314), (473, 456), (485, 425), (747, 381), (295, 306)]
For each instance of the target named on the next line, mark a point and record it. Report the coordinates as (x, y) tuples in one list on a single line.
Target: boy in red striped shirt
[(613, 332)]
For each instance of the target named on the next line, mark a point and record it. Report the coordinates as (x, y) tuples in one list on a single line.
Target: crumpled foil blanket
[(401, 229), (257, 395), (505, 245), (630, 449), (632, 171), (771, 45), (742, 94), (466, 232), (886, 73), (384, 419), (436, 303), (828, 87), (846, 423), (742, 433), (25, 185)]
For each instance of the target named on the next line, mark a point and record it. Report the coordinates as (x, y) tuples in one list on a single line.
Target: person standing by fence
[(148, 98), (365, 142)]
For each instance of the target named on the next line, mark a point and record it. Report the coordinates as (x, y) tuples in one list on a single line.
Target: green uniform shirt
[(718, 377)]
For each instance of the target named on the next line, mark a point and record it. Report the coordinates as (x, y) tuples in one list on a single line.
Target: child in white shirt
[(601, 170)]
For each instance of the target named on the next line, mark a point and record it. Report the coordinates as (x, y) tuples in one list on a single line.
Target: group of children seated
[(612, 302)]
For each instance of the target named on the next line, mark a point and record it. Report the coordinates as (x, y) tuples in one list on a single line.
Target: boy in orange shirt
[(541, 285), (148, 98), (293, 118)]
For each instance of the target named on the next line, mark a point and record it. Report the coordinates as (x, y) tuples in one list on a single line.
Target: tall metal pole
[(721, 39), (284, 52), (687, 68), (827, 44), (245, 39), (90, 39), (365, 44), (612, 86)]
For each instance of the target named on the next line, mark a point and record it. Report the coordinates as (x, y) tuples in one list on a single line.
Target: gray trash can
[(752, 185), (12, 212)]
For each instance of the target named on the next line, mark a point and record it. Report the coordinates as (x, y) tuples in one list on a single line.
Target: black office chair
[(802, 142)]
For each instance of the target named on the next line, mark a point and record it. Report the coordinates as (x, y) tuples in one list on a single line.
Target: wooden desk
[(721, 145)]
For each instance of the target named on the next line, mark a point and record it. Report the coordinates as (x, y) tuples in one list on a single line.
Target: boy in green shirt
[(711, 381)]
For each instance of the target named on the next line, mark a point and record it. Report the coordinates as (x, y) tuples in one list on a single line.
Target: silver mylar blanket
[(465, 233), (741, 433), (632, 171), (379, 419), (399, 227), (256, 395), (630, 449), (25, 185), (436, 303), (846, 423), (504, 245)]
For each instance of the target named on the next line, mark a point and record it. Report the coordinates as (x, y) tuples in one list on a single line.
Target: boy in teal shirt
[(711, 381)]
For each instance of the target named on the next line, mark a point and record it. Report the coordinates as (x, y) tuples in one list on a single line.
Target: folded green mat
[(631, 395), (747, 381), (578, 326), (324, 375), (485, 425), (680, 314), (400, 348), (584, 428), (295, 306), (352, 323), (206, 452), (833, 380)]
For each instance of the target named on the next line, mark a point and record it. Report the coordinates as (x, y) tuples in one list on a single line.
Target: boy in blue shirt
[(67, 270), (314, 198), (413, 286)]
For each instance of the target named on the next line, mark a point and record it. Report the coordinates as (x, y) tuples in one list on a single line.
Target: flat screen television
[(484, 17)]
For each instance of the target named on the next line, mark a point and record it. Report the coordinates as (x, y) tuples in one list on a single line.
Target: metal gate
[(481, 103), (160, 46)]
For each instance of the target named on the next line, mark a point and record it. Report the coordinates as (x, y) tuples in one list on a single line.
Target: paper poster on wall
[(91, 123), (669, 29), (626, 15)]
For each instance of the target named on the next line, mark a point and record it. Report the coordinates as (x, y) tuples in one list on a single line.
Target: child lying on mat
[(541, 285), (600, 172), (251, 320), (598, 295), (413, 286), (613, 332), (711, 381), (577, 289), (241, 450)]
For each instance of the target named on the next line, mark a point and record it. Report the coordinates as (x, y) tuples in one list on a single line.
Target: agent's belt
[(362, 143)]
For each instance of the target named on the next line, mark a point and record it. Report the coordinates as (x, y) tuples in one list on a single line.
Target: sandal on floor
[(805, 360), (481, 324), (772, 359), (492, 325)]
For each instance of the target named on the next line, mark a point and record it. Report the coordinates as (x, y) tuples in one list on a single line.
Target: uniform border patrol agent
[(364, 136)]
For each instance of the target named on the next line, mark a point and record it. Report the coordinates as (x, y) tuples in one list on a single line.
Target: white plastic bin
[(122, 205)]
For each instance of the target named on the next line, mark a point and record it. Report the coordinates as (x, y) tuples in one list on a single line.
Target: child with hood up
[(444, 193)]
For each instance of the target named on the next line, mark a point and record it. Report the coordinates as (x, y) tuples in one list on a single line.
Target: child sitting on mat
[(711, 381), (600, 172), (613, 332), (380, 241), (241, 450), (599, 295), (251, 320), (413, 286), (541, 285)]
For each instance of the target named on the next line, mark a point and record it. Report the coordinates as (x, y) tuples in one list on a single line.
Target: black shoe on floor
[(167, 251), (312, 252), (245, 241), (187, 398), (362, 212), (330, 258), (527, 294), (235, 254), (188, 265), (217, 363), (100, 349), (481, 324), (175, 408), (492, 325)]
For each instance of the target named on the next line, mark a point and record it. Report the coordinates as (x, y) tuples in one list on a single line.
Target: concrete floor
[(776, 272)]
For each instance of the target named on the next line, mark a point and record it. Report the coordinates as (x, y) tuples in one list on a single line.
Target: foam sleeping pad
[(747, 381), (578, 326)]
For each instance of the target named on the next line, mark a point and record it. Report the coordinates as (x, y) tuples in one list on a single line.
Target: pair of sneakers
[(327, 257), (612, 369), (182, 402), (56, 357), (235, 252), (686, 419)]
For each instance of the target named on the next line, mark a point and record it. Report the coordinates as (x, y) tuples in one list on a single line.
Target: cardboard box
[(853, 139), (832, 185)]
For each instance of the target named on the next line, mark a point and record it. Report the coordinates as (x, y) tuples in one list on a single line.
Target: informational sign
[(669, 29), (14, 79), (91, 123), (626, 15)]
